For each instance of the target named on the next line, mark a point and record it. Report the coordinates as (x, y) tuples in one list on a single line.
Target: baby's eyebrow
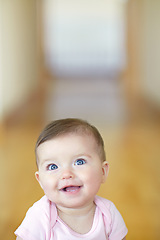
[(83, 155), (46, 161)]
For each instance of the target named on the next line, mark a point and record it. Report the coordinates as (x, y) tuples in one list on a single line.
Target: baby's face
[(70, 170)]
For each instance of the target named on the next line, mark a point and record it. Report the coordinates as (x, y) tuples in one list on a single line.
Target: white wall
[(18, 53), (85, 36)]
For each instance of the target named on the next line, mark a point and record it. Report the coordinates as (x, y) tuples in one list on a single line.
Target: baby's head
[(67, 126), (71, 162)]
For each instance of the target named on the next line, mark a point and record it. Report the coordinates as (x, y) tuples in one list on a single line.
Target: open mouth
[(70, 189)]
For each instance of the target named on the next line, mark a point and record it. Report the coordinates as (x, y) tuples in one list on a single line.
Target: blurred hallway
[(113, 84), (99, 100)]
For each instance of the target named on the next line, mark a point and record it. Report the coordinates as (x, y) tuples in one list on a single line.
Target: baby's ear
[(38, 179), (105, 170)]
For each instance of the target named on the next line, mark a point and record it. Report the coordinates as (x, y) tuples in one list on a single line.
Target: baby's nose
[(67, 174)]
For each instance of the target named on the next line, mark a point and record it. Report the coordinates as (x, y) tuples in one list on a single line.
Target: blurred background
[(95, 60)]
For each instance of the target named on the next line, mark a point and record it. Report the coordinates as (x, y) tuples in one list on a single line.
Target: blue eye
[(52, 167), (80, 162)]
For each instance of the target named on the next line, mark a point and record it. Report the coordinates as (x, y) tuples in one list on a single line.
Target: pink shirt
[(42, 223)]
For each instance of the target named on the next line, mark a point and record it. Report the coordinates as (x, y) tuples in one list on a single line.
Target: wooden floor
[(133, 151)]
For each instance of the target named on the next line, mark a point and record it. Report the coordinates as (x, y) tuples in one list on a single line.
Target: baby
[(71, 165)]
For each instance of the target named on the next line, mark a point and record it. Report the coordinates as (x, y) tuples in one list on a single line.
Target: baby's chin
[(74, 204)]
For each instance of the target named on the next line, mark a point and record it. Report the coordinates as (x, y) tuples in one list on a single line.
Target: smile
[(71, 189)]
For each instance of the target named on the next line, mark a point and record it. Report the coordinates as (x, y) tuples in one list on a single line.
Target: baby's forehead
[(69, 136), (63, 140)]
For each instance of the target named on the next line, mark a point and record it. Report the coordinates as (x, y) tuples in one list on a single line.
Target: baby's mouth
[(70, 189)]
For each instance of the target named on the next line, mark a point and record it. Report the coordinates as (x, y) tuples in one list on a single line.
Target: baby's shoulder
[(108, 209), (42, 204), (103, 202), (39, 208), (112, 218), (42, 207), (38, 220)]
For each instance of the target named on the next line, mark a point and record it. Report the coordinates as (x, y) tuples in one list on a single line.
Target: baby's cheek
[(94, 176), (46, 185), (48, 191)]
